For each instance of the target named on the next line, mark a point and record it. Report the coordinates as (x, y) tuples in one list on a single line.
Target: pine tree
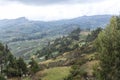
[(108, 46)]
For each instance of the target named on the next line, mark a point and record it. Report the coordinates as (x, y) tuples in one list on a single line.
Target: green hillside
[(23, 36)]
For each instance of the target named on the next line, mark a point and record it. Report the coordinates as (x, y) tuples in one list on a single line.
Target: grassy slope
[(57, 73)]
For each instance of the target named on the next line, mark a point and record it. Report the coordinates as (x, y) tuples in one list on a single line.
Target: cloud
[(57, 11), (48, 2)]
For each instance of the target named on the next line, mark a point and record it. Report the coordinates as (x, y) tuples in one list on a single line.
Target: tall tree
[(108, 46)]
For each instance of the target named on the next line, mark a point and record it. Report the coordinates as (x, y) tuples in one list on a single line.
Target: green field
[(57, 73)]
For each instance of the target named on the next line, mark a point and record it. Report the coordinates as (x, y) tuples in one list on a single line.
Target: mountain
[(31, 34), (21, 28)]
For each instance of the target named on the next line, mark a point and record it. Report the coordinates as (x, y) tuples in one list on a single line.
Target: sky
[(47, 10)]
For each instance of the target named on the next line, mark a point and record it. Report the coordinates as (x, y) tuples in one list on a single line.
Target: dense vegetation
[(108, 46)]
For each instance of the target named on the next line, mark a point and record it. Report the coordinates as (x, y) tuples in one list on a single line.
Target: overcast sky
[(56, 9)]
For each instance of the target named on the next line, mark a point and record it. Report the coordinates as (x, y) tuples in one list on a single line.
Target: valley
[(25, 37)]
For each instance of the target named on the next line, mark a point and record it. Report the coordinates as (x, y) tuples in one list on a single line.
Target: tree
[(11, 67), (108, 46), (34, 67), (22, 67), (75, 34)]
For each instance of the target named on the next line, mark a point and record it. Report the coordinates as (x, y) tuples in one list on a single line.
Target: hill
[(70, 60), (23, 35)]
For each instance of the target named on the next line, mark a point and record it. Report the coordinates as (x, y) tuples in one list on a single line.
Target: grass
[(57, 73)]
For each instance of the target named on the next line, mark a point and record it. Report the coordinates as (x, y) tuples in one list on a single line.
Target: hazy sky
[(56, 9)]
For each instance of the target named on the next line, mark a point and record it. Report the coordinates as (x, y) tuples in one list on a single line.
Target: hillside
[(23, 36), (54, 61), (80, 55)]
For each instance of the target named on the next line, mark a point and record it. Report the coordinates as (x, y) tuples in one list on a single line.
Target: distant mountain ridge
[(25, 27), (102, 18)]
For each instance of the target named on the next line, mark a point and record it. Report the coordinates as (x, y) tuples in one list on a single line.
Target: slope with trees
[(106, 56)]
